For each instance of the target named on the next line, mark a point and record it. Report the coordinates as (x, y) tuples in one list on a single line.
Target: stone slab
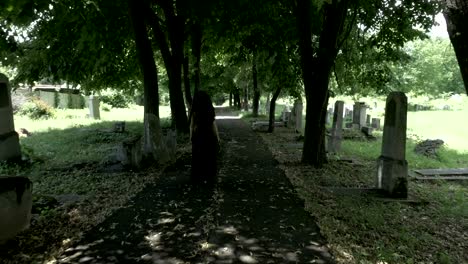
[(443, 172), (374, 193)]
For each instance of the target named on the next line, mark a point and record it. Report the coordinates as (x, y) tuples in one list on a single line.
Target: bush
[(116, 100), (37, 109), (105, 107)]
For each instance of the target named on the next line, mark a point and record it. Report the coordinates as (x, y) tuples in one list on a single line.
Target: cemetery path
[(252, 215)]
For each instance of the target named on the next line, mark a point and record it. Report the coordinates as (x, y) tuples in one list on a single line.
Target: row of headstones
[(358, 117), (392, 167), (293, 117)]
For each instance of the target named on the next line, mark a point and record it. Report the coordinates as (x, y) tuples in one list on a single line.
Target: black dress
[(204, 154)]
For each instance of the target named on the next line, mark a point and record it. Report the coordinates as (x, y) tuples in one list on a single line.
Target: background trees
[(235, 47)]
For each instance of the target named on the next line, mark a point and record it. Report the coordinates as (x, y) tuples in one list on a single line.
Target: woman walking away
[(205, 139)]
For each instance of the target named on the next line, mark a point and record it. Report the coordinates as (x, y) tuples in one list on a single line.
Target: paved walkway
[(252, 216)]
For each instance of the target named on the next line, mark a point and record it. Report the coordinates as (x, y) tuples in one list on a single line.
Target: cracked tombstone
[(9, 140), (392, 167), (334, 142), (93, 105)]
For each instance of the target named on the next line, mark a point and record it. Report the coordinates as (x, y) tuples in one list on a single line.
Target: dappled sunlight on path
[(252, 215)]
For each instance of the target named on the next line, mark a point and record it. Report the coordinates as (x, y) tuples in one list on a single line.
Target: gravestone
[(286, 116), (329, 117), (267, 105), (9, 140), (15, 206), (94, 107), (298, 107), (334, 142), (376, 123), (359, 114), (130, 152), (119, 127), (392, 167), (368, 120)]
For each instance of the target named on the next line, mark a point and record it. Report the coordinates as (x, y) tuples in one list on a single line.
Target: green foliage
[(432, 69), (37, 109), (116, 99)]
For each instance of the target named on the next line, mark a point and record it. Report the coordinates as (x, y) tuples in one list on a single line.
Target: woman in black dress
[(205, 139)]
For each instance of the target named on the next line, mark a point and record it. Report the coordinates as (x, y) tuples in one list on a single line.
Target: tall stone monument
[(94, 107), (392, 167), (9, 140), (359, 114), (297, 115), (334, 141)]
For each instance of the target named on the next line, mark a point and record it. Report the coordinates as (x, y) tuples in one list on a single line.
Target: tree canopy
[(223, 46)]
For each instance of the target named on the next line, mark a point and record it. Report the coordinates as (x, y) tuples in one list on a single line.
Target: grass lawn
[(69, 152), (361, 229)]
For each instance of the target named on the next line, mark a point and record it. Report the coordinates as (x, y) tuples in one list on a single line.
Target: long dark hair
[(202, 109)]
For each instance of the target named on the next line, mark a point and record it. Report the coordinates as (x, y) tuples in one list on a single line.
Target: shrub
[(105, 107), (37, 109), (116, 100)]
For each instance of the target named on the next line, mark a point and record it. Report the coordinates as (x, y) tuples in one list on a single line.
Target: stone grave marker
[(296, 115), (376, 123), (368, 120), (94, 107), (15, 206), (334, 141), (119, 127), (329, 117), (359, 114), (392, 167), (9, 139), (286, 116)]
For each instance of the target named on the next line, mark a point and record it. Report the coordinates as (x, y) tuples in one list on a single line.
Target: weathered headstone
[(9, 140), (298, 106), (286, 115), (119, 127), (130, 152), (334, 142), (15, 206), (267, 104), (94, 107), (376, 123), (392, 167), (368, 120), (359, 114), (171, 144)]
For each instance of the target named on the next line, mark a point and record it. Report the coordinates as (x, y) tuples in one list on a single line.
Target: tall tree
[(456, 15), (171, 44), (153, 133), (316, 64)]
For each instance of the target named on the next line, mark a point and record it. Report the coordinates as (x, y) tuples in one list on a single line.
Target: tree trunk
[(188, 93), (153, 133), (173, 60), (237, 100), (196, 50), (271, 120), (256, 96), (179, 114), (316, 73), (245, 101), (456, 16), (230, 99)]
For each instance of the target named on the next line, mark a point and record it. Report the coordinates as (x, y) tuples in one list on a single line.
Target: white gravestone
[(94, 107)]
